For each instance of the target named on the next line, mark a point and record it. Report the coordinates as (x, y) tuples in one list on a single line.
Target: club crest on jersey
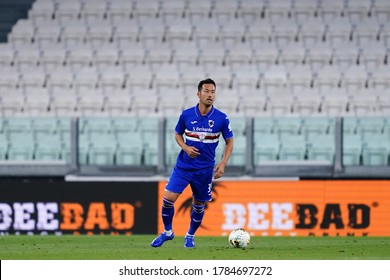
[(202, 136), (211, 123)]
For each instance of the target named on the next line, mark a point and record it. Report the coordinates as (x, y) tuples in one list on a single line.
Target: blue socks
[(167, 214), (197, 214)]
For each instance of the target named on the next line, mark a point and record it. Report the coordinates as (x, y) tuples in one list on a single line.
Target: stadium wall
[(264, 208)]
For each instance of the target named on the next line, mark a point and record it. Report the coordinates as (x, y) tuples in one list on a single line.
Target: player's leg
[(201, 187), (167, 213), (175, 186), (197, 214)]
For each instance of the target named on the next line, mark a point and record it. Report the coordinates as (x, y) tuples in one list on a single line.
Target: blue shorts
[(199, 180)]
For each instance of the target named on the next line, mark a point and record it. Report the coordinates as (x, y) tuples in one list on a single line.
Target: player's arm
[(191, 151), (219, 169)]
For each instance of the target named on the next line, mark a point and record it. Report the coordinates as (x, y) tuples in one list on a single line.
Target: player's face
[(207, 94)]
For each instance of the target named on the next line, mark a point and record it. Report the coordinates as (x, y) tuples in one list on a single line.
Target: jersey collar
[(198, 114)]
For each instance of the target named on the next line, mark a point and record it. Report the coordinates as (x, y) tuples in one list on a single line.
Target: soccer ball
[(239, 238)]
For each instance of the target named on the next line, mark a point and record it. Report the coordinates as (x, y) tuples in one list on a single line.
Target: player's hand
[(191, 151), (219, 169)]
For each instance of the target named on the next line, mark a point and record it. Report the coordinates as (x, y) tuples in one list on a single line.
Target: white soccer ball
[(239, 238)]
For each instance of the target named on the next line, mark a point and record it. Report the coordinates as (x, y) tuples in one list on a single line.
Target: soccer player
[(202, 125)]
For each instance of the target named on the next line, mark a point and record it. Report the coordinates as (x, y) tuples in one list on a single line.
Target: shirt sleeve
[(227, 131), (180, 126)]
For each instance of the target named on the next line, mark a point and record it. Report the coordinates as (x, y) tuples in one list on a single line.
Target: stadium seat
[(334, 102), (264, 56), (99, 32), (139, 77), (212, 56), (27, 56), (293, 147), (145, 102), (12, 103), (375, 150), (328, 78), (156, 57), (103, 148), (73, 33), (67, 11), (222, 75), (321, 147), (22, 33), (316, 125), (259, 33), (292, 55), (7, 55), (152, 32), (285, 31), (267, 148), (167, 77), (245, 77), (90, 101), (106, 56), (48, 32), (144, 10), (64, 102), (312, 31), (330, 10), (277, 10), (239, 55), (48, 147), (41, 10), (300, 78), (3, 146), (130, 149), (197, 11), (85, 78), (381, 10), (79, 57), (178, 31), (118, 101), (118, 10), (352, 149), (372, 55), (367, 30), (53, 56), (165, 105), (232, 32), (357, 10), (363, 103), (354, 78), (93, 9), (21, 146), (379, 78), (125, 32), (303, 10), (60, 77), (172, 9), (185, 54), (37, 101), (345, 55), (111, 77), (274, 79), (250, 10), (131, 55), (206, 32), (287, 126)]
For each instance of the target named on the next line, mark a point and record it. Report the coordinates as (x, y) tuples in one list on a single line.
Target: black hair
[(206, 81)]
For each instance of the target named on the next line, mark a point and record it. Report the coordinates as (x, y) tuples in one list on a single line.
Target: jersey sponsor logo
[(205, 137)]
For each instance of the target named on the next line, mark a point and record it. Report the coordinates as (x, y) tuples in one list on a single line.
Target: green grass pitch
[(137, 247)]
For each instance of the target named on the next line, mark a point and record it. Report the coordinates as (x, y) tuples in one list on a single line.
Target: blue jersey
[(203, 133)]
